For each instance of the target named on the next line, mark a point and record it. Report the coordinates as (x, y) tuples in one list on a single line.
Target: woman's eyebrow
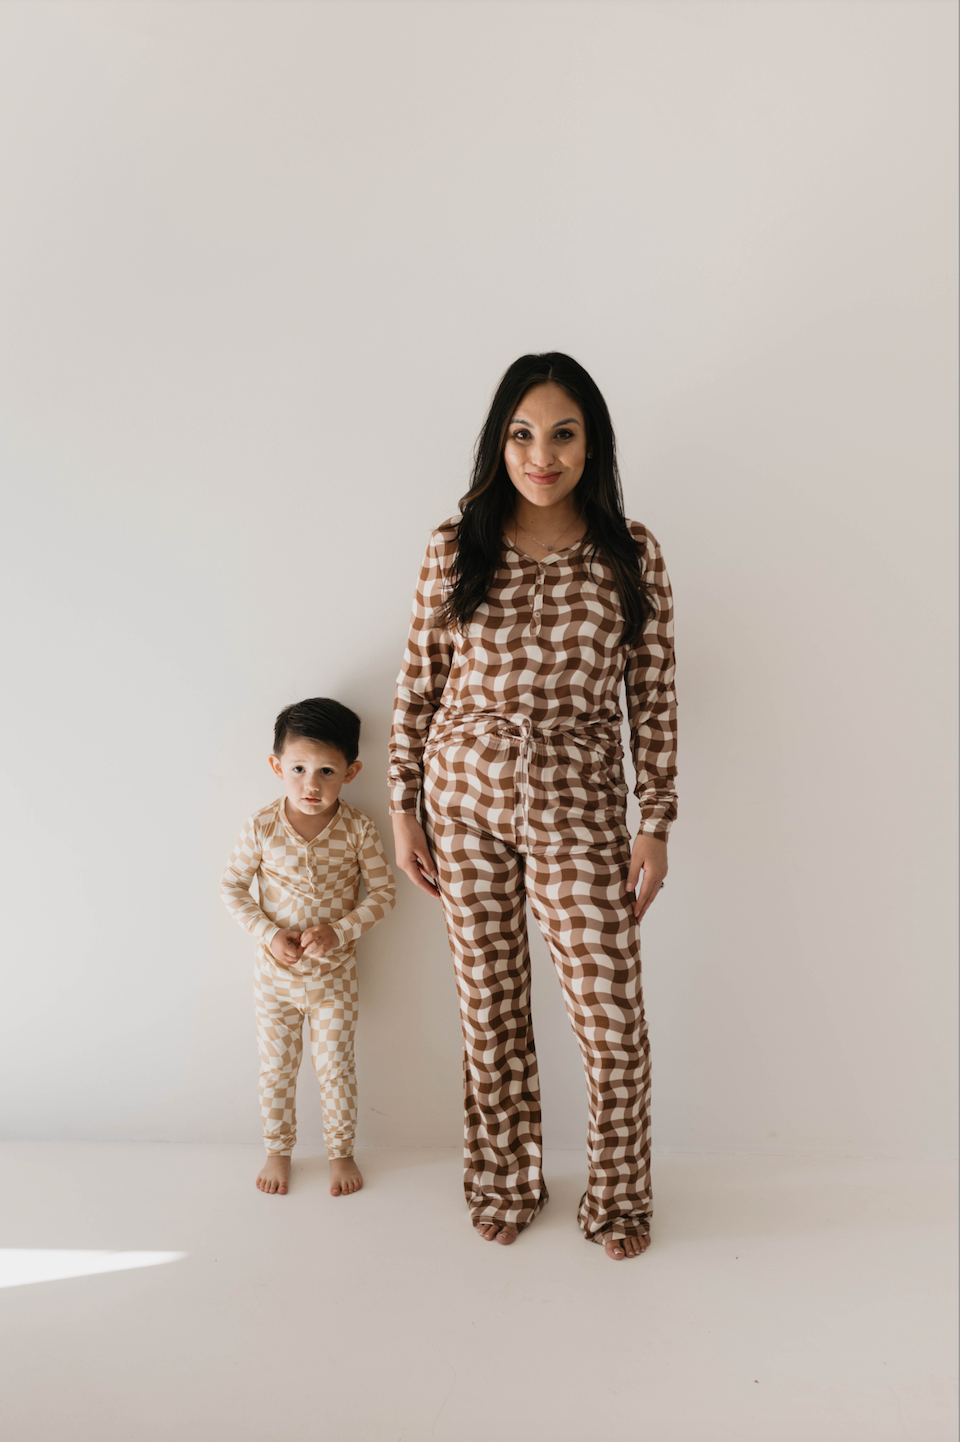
[(568, 421)]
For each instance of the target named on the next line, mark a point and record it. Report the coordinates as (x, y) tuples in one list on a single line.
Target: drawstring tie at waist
[(593, 737)]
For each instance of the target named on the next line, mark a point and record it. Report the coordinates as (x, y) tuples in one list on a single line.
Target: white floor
[(782, 1300)]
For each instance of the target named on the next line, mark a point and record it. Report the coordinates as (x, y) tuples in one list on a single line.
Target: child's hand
[(318, 940), (285, 947)]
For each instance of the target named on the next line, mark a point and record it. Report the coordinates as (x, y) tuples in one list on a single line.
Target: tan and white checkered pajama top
[(302, 884), (511, 732)]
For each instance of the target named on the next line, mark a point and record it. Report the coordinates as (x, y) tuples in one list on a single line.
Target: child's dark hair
[(319, 719)]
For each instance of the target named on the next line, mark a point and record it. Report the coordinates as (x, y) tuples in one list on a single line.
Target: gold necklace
[(543, 543)]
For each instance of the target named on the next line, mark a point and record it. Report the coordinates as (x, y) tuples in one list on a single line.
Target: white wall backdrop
[(262, 266)]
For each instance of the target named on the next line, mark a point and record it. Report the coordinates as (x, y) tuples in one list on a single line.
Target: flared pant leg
[(582, 906), (484, 902)]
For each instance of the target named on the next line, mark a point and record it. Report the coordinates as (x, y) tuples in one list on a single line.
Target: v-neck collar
[(302, 840)]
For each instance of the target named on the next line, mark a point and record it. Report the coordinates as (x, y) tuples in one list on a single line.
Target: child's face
[(312, 774)]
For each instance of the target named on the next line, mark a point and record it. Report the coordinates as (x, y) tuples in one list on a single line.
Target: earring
[(589, 455)]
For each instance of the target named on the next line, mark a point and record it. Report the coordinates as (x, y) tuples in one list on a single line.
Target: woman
[(534, 609)]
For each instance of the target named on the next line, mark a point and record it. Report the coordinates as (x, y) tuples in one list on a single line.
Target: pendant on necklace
[(549, 548)]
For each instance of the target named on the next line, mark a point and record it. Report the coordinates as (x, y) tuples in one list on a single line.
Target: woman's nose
[(541, 455)]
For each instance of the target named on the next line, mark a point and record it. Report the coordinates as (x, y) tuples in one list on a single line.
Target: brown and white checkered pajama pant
[(514, 816), (329, 1004)]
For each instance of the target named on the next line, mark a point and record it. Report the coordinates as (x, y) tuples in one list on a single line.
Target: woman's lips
[(545, 480)]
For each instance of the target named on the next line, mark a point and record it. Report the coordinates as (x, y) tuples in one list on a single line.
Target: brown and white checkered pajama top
[(510, 732), (301, 884)]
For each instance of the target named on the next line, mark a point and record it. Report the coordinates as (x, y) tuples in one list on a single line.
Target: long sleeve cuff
[(405, 795), (374, 907), (658, 811)]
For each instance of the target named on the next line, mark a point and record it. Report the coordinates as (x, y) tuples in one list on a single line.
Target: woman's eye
[(564, 435), (521, 435)]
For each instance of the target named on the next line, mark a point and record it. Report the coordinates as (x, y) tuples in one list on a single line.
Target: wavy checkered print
[(511, 732), (544, 647), (302, 884)]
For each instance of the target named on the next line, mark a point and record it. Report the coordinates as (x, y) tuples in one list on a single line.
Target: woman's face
[(546, 448)]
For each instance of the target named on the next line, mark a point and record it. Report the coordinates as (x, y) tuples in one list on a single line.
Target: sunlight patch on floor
[(22, 1265)]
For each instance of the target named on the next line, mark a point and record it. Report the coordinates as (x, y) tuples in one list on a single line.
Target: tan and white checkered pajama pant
[(515, 815), (284, 999)]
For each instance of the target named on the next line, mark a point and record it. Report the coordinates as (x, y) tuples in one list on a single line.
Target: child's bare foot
[(497, 1232), (626, 1247), (274, 1175), (344, 1176)]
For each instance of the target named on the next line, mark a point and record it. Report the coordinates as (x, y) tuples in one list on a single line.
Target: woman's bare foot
[(497, 1232), (344, 1176), (274, 1175), (626, 1247)]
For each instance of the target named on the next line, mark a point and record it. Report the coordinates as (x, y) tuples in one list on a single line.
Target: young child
[(308, 851)]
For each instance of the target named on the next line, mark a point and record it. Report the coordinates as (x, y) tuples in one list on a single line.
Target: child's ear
[(275, 766), (352, 770)]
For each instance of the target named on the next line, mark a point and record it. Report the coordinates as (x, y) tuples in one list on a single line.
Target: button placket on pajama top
[(511, 730)]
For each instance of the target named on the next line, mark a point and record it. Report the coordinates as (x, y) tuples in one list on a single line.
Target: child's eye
[(298, 768), (327, 771)]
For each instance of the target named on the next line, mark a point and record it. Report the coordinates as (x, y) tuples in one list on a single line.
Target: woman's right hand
[(413, 853)]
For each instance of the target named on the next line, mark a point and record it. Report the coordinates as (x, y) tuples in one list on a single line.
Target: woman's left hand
[(649, 856)]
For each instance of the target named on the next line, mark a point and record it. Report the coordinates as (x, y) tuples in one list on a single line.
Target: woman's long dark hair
[(598, 496)]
